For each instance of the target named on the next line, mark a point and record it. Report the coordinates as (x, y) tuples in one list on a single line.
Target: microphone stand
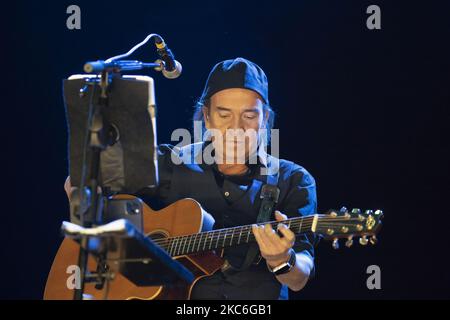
[(98, 135), (89, 201)]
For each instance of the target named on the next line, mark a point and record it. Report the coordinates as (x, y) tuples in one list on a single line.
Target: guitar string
[(223, 232), (293, 223), (181, 249), (178, 244), (243, 229)]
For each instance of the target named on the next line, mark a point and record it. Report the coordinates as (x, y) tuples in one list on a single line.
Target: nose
[(235, 130), (236, 123)]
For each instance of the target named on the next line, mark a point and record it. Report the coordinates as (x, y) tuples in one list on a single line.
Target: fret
[(174, 243), (210, 241), (180, 250), (171, 241), (289, 224), (197, 238), (240, 234), (199, 241), (232, 235), (177, 243), (300, 227), (184, 244), (248, 233), (206, 240), (192, 241), (217, 243), (188, 241), (224, 238)]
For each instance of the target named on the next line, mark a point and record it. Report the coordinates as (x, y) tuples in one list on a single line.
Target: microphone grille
[(175, 73)]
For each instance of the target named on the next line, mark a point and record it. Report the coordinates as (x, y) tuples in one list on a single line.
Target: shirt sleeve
[(301, 200)]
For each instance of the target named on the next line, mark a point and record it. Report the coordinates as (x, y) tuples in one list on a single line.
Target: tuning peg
[(379, 213), (349, 242), (335, 243), (343, 210), (363, 240), (356, 211), (368, 212), (333, 213), (373, 240)]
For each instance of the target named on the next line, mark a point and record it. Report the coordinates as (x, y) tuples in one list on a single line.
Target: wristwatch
[(284, 267)]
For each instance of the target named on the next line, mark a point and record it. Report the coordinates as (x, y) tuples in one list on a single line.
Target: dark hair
[(198, 114)]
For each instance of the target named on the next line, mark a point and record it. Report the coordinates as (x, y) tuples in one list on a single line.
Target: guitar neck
[(229, 237)]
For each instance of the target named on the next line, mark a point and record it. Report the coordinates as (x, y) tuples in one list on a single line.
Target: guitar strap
[(269, 195)]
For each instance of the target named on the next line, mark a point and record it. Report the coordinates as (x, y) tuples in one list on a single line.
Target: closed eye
[(251, 115), (224, 115)]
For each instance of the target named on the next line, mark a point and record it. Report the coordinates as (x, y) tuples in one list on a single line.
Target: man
[(235, 98)]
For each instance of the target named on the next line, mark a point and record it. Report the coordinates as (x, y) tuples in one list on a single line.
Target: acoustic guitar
[(183, 230)]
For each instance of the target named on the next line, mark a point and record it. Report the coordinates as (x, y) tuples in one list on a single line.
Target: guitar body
[(183, 217)]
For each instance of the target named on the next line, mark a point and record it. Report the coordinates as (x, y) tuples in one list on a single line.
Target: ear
[(205, 111)]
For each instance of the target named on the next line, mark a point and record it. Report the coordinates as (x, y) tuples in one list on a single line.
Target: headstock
[(344, 224)]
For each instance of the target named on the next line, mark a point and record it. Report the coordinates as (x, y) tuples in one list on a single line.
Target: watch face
[(284, 269), (288, 265)]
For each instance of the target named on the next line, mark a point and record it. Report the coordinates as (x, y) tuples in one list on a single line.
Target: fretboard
[(228, 237)]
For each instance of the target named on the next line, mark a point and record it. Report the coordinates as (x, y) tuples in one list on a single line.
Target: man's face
[(237, 114)]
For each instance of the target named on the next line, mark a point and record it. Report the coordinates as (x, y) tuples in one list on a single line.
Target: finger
[(273, 238), (257, 232), (267, 243), (279, 216), (288, 236)]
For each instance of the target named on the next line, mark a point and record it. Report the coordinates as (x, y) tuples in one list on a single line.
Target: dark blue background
[(366, 112)]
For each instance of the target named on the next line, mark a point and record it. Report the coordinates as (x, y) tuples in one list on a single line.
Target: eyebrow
[(222, 108), (228, 109)]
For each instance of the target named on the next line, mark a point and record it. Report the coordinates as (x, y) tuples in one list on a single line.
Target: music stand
[(131, 114), (111, 119), (130, 252)]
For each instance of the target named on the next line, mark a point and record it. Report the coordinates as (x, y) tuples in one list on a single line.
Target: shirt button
[(226, 193)]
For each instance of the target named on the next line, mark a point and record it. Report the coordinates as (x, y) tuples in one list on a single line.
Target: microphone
[(167, 64), (118, 66), (172, 68)]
